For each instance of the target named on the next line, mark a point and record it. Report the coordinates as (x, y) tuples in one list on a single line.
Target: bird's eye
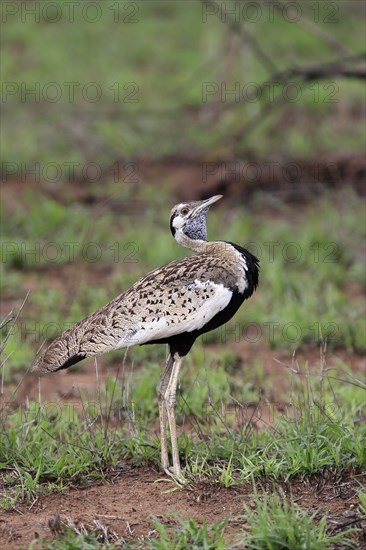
[(184, 211)]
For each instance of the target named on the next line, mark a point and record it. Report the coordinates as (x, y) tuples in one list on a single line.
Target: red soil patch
[(126, 506)]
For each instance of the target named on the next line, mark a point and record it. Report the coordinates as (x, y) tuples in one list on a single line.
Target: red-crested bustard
[(172, 305)]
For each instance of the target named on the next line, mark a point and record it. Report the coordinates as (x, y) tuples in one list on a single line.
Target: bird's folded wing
[(175, 311), (166, 302)]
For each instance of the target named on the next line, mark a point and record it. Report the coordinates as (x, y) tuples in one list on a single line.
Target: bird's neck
[(196, 245), (216, 248)]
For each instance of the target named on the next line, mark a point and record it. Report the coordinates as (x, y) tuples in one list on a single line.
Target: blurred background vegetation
[(113, 111), (155, 78)]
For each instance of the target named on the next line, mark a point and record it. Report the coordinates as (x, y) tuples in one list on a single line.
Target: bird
[(173, 305)]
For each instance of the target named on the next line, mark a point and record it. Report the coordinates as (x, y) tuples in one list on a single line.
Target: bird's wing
[(176, 310), (179, 297)]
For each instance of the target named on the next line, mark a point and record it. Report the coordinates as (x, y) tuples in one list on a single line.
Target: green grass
[(362, 499), (277, 525), (274, 525), (188, 534), (45, 447), (289, 449), (74, 538)]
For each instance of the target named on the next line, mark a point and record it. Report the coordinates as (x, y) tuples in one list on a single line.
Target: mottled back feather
[(173, 304)]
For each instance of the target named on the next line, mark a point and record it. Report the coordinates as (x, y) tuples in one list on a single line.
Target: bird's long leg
[(171, 401), (161, 390)]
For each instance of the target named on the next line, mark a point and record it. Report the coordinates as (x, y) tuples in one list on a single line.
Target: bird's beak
[(206, 204)]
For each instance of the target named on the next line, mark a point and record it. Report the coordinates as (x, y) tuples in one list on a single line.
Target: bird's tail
[(100, 332), (63, 352)]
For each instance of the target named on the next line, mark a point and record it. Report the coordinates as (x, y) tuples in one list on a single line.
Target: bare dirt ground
[(127, 504)]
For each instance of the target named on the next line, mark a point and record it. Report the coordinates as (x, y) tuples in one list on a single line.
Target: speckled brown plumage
[(168, 292)]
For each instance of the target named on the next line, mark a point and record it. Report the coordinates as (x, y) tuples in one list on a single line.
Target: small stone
[(349, 514)]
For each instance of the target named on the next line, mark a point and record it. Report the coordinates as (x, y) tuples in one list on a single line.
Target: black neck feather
[(252, 273)]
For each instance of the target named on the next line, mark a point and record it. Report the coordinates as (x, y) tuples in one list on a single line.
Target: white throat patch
[(178, 222)]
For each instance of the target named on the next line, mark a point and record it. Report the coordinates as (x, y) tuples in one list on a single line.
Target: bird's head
[(188, 220)]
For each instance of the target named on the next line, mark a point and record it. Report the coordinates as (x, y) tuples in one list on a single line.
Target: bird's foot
[(177, 476)]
